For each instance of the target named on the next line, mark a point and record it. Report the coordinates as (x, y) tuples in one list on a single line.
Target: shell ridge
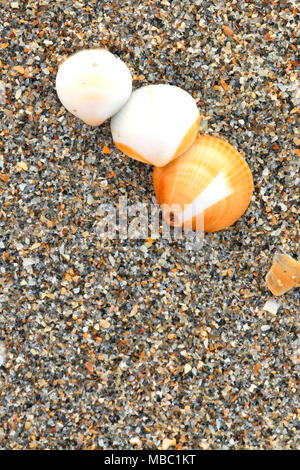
[(208, 197)]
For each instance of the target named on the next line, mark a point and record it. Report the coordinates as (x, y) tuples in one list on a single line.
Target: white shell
[(157, 124), (93, 85)]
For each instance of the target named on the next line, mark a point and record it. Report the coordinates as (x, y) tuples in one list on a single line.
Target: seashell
[(93, 84), (284, 274), (157, 124), (207, 188)]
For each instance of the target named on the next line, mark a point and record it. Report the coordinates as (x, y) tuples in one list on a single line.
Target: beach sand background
[(142, 343)]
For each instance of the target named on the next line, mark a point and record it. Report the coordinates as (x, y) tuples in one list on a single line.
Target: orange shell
[(213, 177), (284, 274)]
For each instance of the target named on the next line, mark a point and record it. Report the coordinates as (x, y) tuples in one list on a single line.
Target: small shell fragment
[(284, 274), (166, 443), (2, 353), (271, 306), (157, 124), (135, 441), (93, 84)]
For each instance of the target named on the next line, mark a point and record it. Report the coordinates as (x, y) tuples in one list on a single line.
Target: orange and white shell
[(284, 274), (157, 124), (93, 84), (207, 188)]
